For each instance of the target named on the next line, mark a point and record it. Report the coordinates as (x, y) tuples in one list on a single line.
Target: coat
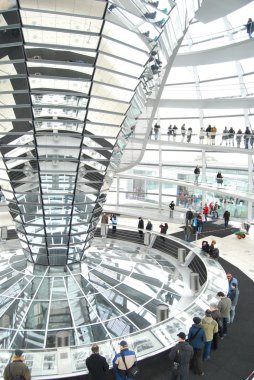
[(141, 224), (97, 367), (199, 340), (224, 307), (210, 327), (119, 366), (181, 353), (16, 368)]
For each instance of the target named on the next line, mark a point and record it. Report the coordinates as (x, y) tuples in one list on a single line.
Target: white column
[(250, 185), (117, 190), (203, 166), (160, 176)]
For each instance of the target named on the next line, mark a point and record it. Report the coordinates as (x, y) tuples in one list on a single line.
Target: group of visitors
[(229, 137), (210, 249), (105, 223), (195, 347), (219, 177), (124, 363), (194, 220)]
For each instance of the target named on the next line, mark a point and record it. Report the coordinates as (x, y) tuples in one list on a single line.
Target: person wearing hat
[(123, 361), (210, 327), (197, 339), (179, 358), (97, 365), (17, 368)]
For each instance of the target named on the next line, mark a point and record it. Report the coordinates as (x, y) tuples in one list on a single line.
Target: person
[(231, 135), (217, 317), (205, 211), (214, 251), (164, 228), (213, 135), (104, 225), (224, 136), (197, 339), (17, 367), (201, 135), (189, 134), (171, 208), (170, 132), (147, 238), (219, 178), (231, 280), (187, 232), (250, 27), (149, 225), (188, 217), (234, 296), (199, 223), (216, 210), (97, 365), (208, 133), (252, 140), (156, 129), (126, 358), (174, 132), (226, 217), (205, 246), (113, 219), (210, 327), (197, 173), (224, 307), (195, 223), (246, 226), (179, 358), (239, 138), (183, 132), (140, 226), (246, 137)]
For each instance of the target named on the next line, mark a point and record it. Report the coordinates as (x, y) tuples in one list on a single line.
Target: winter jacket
[(141, 224), (210, 327), (119, 366), (16, 368), (181, 353), (224, 307), (97, 367), (200, 338), (206, 210)]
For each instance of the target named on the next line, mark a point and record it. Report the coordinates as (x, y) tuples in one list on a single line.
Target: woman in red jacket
[(205, 211)]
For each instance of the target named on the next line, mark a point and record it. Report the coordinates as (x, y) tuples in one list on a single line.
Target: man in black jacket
[(179, 359), (140, 226), (97, 364), (197, 173), (188, 217), (171, 208)]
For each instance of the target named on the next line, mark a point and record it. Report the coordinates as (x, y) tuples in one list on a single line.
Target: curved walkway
[(234, 358), (226, 53)]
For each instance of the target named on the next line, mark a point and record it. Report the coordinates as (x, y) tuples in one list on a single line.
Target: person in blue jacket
[(197, 340), (121, 365)]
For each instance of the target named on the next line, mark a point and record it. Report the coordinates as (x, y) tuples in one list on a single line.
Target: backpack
[(14, 377)]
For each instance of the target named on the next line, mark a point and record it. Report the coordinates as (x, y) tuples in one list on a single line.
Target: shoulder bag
[(130, 372)]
